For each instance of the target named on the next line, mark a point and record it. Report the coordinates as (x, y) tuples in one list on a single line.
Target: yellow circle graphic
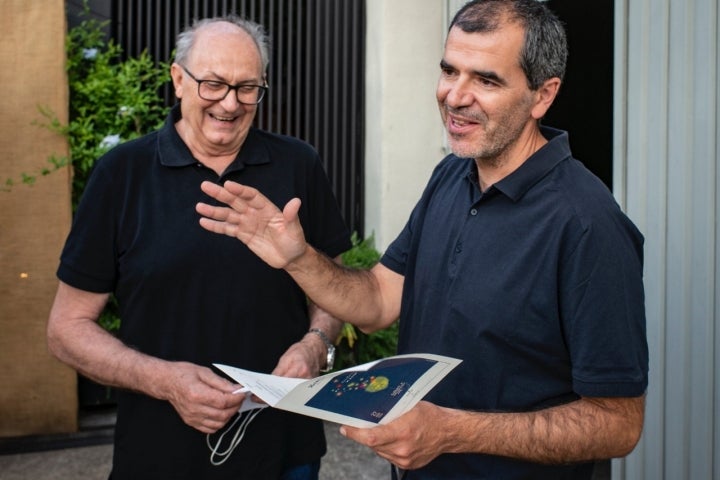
[(377, 384)]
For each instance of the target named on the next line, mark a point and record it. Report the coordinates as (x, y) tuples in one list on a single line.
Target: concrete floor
[(344, 459), (88, 455)]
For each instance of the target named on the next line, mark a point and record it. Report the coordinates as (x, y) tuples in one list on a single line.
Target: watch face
[(330, 359)]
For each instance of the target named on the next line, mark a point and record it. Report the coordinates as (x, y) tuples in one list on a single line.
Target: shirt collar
[(535, 167), (174, 152)]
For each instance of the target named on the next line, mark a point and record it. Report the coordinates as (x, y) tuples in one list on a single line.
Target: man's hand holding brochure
[(363, 396)]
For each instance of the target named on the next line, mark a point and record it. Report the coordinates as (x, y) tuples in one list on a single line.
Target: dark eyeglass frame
[(262, 89)]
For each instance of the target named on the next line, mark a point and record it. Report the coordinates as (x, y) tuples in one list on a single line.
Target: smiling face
[(486, 105), (224, 52)]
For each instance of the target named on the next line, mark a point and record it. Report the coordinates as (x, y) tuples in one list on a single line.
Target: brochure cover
[(362, 396)]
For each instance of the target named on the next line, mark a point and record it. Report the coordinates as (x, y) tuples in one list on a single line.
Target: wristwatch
[(330, 361)]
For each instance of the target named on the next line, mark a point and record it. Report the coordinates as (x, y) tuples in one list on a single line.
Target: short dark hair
[(544, 53)]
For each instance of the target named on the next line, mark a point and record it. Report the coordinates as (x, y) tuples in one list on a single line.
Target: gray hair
[(544, 52), (186, 39)]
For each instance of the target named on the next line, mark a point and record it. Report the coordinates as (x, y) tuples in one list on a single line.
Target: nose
[(230, 102), (455, 93)]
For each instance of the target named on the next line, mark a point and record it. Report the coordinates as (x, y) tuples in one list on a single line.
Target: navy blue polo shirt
[(536, 284), (186, 294)]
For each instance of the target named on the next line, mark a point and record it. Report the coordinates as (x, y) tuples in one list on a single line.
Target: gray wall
[(666, 176)]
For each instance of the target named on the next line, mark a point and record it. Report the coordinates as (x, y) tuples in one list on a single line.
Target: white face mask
[(247, 413)]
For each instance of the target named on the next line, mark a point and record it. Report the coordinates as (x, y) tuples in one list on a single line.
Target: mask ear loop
[(237, 437)]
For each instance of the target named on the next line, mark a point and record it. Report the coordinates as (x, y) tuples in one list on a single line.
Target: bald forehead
[(223, 35), (221, 28)]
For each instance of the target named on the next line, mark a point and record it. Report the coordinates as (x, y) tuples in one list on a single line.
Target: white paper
[(363, 396)]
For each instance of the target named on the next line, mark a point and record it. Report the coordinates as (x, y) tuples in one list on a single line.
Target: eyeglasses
[(215, 90)]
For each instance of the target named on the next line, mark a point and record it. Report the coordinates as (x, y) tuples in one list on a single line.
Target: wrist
[(328, 360), (304, 263)]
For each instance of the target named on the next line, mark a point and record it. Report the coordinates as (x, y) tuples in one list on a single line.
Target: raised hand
[(273, 235)]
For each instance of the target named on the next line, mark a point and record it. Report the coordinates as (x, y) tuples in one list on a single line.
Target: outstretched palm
[(273, 235)]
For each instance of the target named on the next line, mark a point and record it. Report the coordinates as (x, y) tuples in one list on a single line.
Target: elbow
[(56, 337), (630, 432), (375, 324), (52, 340), (630, 439), (623, 420), (368, 329)]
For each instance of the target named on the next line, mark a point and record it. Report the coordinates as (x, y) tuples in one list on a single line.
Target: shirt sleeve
[(602, 310), (88, 258)]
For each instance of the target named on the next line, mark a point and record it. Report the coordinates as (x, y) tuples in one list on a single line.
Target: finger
[(218, 382), (219, 227), (212, 189), (250, 195), (288, 368), (212, 211), (211, 425), (292, 371), (370, 437), (242, 191), (235, 199), (290, 212), (244, 197)]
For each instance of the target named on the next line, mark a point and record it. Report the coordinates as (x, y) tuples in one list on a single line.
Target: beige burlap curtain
[(37, 394)]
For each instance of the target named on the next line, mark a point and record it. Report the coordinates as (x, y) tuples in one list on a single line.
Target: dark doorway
[(584, 106)]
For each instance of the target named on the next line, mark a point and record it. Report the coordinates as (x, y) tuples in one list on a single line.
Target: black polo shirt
[(186, 294), (536, 284)]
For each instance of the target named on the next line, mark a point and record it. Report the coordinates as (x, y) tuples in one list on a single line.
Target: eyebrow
[(221, 79), (485, 74)]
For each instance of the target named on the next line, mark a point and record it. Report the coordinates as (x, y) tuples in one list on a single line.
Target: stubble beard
[(495, 140)]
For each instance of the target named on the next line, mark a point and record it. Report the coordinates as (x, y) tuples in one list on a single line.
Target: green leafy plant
[(112, 100), (353, 346)]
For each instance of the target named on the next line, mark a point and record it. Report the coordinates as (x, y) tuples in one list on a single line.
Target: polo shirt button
[(199, 165), (473, 212)]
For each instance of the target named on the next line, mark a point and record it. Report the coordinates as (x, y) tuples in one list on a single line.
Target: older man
[(189, 298)]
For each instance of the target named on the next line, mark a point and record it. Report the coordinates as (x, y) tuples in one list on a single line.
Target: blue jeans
[(309, 471)]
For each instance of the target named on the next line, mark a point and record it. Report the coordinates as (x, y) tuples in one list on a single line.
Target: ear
[(544, 97), (176, 73)]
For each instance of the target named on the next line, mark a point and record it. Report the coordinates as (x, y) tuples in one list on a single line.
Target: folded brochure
[(363, 396)]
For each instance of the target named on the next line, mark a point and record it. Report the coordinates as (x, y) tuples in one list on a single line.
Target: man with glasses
[(189, 298), (216, 91)]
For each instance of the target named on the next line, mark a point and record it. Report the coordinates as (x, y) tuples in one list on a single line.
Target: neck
[(216, 159), (493, 169)]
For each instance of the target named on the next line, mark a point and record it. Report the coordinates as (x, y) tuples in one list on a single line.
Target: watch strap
[(330, 360)]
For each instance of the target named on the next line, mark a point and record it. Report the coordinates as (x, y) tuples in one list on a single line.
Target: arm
[(305, 358), (585, 430), (203, 400), (369, 299)]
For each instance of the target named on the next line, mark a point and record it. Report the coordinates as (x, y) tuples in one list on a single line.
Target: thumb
[(290, 212)]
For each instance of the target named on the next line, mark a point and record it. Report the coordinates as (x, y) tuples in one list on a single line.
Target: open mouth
[(461, 121), (459, 125), (222, 119)]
